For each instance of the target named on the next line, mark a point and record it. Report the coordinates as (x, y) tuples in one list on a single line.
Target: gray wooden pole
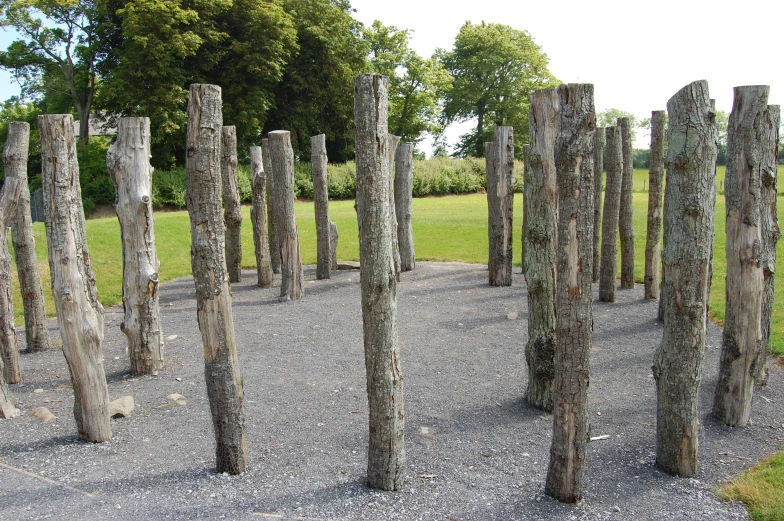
[(128, 162), (626, 211), (655, 191), (258, 218), (500, 202), (232, 210), (404, 186), (541, 203), (688, 227), (574, 295), (79, 314), (598, 163), (612, 202), (326, 230), (213, 295), (272, 208), (386, 452), (748, 144), (394, 141)]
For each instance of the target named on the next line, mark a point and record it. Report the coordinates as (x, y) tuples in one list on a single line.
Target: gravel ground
[(475, 449)]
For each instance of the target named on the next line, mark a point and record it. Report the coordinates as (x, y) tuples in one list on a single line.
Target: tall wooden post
[(394, 141), (326, 230), (500, 202), (258, 217), (688, 227), (655, 190), (232, 210), (612, 202), (386, 452), (404, 186), (213, 295), (291, 284), (541, 206), (748, 144), (128, 162), (30, 285), (272, 208), (79, 314), (598, 163), (626, 211), (574, 295)]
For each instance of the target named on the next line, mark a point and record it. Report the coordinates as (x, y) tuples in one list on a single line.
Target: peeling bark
[(612, 202), (500, 202), (258, 217), (626, 211), (326, 244), (598, 163), (232, 209), (404, 185), (653, 236)]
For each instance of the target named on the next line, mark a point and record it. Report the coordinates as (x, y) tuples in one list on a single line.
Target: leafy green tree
[(722, 122), (494, 69), (16, 110), (609, 118)]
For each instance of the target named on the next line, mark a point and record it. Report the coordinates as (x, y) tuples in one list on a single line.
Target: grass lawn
[(760, 488)]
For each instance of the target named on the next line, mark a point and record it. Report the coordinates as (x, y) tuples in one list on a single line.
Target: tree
[(58, 44), (609, 118), (494, 69)]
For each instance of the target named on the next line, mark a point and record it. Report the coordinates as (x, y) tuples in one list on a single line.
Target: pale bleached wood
[(272, 208), (655, 191), (258, 218), (500, 202), (128, 162), (404, 186), (612, 201), (79, 313), (213, 295), (598, 163), (326, 260), (232, 209), (394, 141), (626, 211)]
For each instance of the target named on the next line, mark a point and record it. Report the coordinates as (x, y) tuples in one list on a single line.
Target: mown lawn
[(760, 488)]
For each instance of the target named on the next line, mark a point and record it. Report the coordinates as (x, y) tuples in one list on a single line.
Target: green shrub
[(244, 183), (168, 188), (97, 186)]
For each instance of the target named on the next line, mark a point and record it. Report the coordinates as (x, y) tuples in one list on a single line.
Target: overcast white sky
[(637, 54)]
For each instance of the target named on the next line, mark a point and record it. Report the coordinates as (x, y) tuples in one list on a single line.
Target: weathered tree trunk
[(655, 178), (79, 314), (500, 201), (612, 202), (24, 248), (770, 234), (490, 177), (232, 209), (386, 452), (626, 211), (213, 294), (541, 206), (291, 285), (526, 197), (404, 186), (574, 295), (128, 161), (394, 141), (272, 208), (325, 246), (748, 144), (258, 217), (598, 163), (688, 227)]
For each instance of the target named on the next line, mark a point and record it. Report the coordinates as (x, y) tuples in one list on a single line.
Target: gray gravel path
[(475, 449)]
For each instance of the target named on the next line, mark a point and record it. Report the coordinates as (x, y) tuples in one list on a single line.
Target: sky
[(637, 54)]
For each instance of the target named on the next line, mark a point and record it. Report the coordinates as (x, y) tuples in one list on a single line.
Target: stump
[(612, 202), (404, 186), (272, 208), (655, 190), (598, 163), (258, 217), (500, 202), (232, 209), (326, 230), (626, 211)]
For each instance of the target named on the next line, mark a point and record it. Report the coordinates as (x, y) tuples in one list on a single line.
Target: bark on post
[(688, 226), (541, 204), (325, 245), (79, 314), (490, 178), (24, 247), (748, 145), (526, 196), (404, 186), (386, 451), (291, 285), (655, 178), (231, 203), (272, 208), (128, 162), (598, 164), (258, 217), (574, 295), (770, 234), (626, 211), (213, 294), (612, 202), (500, 201), (394, 141)]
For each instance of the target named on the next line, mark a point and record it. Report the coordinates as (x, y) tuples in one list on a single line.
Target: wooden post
[(394, 141), (272, 208), (770, 234), (541, 206), (490, 179), (258, 217), (653, 237), (598, 163), (24, 246), (128, 162), (79, 314), (326, 230), (748, 145), (291, 285), (213, 294), (232, 210), (688, 227), (574, 295), (612, 202), (386, 452), (626, 211), (404, 186), (500, 202), (526, 196)]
